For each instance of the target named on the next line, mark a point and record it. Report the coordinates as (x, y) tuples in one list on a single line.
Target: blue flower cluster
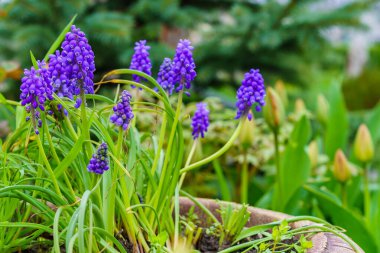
[(251, 91), (140, 60), (123, 114), (180, 71), (183, 65), (99, 161), (60, 81), (165, 76), (69, 73), (200, 121), (35, 89), (78, 62)]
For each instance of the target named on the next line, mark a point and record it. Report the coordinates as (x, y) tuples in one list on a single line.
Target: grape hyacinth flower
[(183, 65), (123, 114), (200, 121), (140, 60), (99, 161), (58, 74), (251, 91), (165, 76), (35, 89), (78, 59)]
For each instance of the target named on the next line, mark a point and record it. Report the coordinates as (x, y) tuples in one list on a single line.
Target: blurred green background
[(304, 43)]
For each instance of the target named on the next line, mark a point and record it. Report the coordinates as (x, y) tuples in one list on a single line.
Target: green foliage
[(337, 125), (295, 164), (233, 221)]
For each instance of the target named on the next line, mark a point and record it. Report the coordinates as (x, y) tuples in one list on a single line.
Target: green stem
[(367, 195), (48, 167), (244, 180), (226, 195), (50, 140), (109, 189), (166, 175), (85, 129), (189, 158), (157, 156), (160, 144), (344, 194), (176, 202), (278, 201), (217, 153), (70, 127)]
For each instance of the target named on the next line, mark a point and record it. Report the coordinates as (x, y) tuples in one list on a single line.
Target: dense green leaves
[(295, 164), (337, 124)]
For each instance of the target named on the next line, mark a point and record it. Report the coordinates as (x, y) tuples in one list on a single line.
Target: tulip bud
[(323, 108), (299, 108), (342, 171), (363, 145), (313, 153), (281, 91), (274, 112), (246, 133)]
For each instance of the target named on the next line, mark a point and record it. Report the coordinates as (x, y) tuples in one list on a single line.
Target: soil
[(122, 237), (210, 244)]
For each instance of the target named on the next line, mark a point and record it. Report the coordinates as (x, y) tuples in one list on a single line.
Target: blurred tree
[(283, 38)]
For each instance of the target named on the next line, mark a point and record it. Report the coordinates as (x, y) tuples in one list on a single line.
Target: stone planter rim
[(322, 242)]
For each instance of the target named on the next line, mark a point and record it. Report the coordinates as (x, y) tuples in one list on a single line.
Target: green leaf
[(60, 38), (69, 157), (20, 116), (373, 123), (337, 123), (295, 164), (354, 225), (35, 65)]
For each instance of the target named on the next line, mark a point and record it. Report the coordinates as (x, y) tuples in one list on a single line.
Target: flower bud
[(313, 153), (246, 134), (299, 108), (281, 90), (363, 145), (342, 171), (274, 112), (323, 108)]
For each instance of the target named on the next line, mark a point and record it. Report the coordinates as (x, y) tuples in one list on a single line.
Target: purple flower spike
[(140, 60), (123, 114), (35, 89), (183, 65), (165, 76), (251, 91), (78, 61), (59, 76), (200, 121), (99, 161)]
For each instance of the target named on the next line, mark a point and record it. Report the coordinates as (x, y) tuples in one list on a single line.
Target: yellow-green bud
[(323, 108), (313, 152), (342, 171), (274, 112), (363, 145), (299, 108), (246, 135), (281, 91)]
